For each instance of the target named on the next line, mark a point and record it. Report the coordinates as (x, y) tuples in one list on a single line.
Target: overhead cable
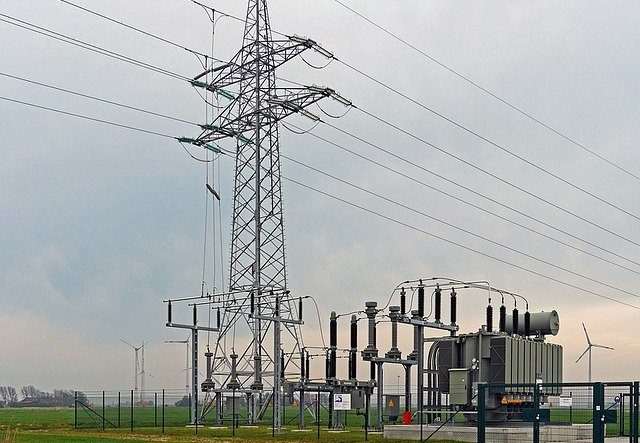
[(491, 94)]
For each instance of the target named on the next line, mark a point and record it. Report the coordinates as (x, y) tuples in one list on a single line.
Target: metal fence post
[(536, 413), (118, 409), (75, 409), (621, 418), (318, 413), (233, 411), (163, 411), (631, 402), (273, 413), (189, 407), (103, 410), (634, 418), (367, 398), (598, 412), (132, 410), (481, 413)]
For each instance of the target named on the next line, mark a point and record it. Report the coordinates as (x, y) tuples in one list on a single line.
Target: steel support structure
[(258, 299)]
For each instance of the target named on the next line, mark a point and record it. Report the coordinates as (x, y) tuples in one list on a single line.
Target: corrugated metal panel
[(521, 359)]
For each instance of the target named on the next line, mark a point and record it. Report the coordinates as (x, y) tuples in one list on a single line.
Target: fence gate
[(558, 412)]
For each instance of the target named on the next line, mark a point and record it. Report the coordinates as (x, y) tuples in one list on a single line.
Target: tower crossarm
[(281, 104), (241, 65)]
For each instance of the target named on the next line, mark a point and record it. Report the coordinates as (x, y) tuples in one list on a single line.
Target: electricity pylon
[(258, 298)]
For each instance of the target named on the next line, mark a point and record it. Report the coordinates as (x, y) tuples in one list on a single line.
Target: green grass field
[(57, 425)]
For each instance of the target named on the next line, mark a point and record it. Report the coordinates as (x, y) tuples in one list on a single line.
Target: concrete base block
[(504, 434)]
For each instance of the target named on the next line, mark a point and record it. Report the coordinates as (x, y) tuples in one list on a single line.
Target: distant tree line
[(32, 397)]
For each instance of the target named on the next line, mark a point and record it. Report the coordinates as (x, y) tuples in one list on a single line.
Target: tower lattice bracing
[(258, 305)]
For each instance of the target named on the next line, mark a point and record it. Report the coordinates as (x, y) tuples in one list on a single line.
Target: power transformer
[(459, 363)]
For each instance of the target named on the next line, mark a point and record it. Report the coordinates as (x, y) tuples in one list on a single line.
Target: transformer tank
[(499, 358)]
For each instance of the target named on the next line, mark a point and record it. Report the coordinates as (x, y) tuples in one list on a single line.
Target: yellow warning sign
[(391, 403)]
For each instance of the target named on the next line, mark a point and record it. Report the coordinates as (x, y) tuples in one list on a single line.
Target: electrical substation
[(273, 367), (407, 357)]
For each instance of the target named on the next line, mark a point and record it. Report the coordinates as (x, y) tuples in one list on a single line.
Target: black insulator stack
[(253, 302), (300, 309), (333, 331), (421, 301), (527, 323), (438, 303), (307, 364), (354, 334), (373, 371), (195, 315), (354, 348), (303, 369), (489, 318), (403, 302), (503, 318), (218, 318), (327, 366), (515, 321), (333, 364), (169, 313), (454, 307)]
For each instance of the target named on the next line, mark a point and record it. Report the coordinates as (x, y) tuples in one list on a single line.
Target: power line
[(496, 177), (473, 205), (466, 188), (234, 17), (492, 94), (88, 46), (491, 142), (94, 119), (321, 138), (446, 240), (142, 31), (91, 97), (161, 70), (349, 203), (483, 138), (451, 225)]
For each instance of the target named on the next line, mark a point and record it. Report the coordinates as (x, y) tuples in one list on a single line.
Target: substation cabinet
[(459, 386), (392, 407)]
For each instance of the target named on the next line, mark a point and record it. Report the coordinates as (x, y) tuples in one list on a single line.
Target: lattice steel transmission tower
[(258, 299)]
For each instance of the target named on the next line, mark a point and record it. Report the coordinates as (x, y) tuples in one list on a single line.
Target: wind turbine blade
[(127, 343), (582, 355), (603, 347), (586, 333)]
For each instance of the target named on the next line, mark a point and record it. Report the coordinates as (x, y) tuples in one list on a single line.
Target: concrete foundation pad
[(497, 434)]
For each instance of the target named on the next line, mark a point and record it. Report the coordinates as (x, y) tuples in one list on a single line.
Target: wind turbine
[(137, 372), (186, 369), (589, 347)]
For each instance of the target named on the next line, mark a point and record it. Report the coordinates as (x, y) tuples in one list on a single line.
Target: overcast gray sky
[(100, 224)]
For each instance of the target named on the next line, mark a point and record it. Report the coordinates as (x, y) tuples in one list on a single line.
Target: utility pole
[(194, 328)]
